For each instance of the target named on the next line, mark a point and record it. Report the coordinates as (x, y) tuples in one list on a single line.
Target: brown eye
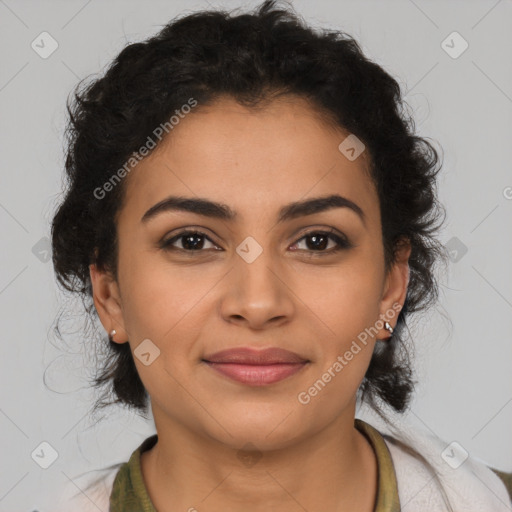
[(191, 241), (318, 241)]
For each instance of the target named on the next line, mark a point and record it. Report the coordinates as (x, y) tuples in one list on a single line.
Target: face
[(308, 280)]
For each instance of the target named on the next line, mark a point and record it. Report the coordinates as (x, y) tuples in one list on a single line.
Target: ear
[(395, 287), (107, 300)]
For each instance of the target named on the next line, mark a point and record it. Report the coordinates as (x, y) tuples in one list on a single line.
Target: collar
[(129, 487)]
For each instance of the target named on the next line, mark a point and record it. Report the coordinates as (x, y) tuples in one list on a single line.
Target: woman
[(254, 220)]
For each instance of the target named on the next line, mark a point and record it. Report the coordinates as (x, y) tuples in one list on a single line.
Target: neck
[(333, 470)]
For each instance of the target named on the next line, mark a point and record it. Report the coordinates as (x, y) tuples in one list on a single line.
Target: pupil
[(191, 245), (315, 239)]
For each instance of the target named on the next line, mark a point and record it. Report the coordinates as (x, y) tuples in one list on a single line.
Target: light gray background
[(464, 364)]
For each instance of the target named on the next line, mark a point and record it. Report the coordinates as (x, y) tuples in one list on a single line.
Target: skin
[(190, 305)]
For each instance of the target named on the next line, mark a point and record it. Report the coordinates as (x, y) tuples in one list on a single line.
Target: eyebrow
[(221, 211)]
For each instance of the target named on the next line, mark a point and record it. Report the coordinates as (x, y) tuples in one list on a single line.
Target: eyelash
[(342, 242)]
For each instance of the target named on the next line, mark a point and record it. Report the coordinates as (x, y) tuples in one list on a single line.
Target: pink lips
[(256, 367)]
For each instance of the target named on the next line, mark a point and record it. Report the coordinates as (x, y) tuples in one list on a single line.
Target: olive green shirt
[(129, 493)]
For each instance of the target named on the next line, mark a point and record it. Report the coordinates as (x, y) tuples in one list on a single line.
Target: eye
[(318, 241), (190, 241)]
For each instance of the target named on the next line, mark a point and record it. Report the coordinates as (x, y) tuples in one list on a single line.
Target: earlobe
[(107, 301), (395, 291)]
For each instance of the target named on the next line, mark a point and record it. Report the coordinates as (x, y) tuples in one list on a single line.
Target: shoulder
[(88, 492), (469, 484), (506, 478), (100, 489)]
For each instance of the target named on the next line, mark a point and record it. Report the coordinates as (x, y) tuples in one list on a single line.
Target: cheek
[(345, 310), (162, 301), (162, 304), (344, 306), (346, 299)]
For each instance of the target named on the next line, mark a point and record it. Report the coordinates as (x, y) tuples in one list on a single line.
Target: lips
[(256, 367), (250, 356)]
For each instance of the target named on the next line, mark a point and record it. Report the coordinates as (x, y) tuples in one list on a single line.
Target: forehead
[(262, 158)]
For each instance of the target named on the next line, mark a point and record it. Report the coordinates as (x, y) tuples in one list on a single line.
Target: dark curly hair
[(252, 58)]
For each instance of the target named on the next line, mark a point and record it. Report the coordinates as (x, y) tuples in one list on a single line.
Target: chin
[(264, 431)]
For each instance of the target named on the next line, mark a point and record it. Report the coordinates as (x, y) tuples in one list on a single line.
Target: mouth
[(257, 375), (256, 367)]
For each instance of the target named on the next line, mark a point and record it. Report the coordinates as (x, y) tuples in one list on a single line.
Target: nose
[(258, 292)]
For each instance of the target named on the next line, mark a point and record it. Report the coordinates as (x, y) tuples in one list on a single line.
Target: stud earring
[(112, 334), (390, 329)]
